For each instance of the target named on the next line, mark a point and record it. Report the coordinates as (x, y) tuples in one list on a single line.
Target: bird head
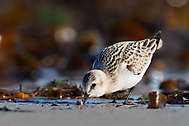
[(94, 83)]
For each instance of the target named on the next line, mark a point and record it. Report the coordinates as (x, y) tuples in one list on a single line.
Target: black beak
[(85, 97)]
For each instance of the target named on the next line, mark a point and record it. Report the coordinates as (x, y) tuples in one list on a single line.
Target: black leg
[(128, 95), (115, 98)]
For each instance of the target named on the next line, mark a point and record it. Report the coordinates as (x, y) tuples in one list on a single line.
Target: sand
[(91, 115)]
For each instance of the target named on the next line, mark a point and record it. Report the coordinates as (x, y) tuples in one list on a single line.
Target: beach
[(29, 114)]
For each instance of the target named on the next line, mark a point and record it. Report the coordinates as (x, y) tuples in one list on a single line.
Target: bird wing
[(109, 58), (135, 54)]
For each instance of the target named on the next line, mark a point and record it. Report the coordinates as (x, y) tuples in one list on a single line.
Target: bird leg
[(115, 98), (128, 95), (116, 95)]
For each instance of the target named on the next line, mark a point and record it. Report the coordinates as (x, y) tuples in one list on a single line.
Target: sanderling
[(120, 66)]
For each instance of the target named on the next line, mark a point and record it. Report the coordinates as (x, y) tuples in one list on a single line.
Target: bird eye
[(93, 86)]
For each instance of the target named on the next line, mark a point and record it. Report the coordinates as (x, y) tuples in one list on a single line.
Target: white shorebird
[(120, 66)]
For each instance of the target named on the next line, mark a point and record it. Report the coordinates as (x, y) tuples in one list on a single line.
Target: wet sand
[(93, 115)]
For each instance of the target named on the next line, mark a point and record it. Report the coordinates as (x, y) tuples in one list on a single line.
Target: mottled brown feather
[(135, 54)]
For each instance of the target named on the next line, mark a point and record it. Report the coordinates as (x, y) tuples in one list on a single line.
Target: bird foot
[(114, 101), (125, 102)]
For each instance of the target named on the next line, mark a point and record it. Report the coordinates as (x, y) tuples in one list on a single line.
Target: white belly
[(126, 79)]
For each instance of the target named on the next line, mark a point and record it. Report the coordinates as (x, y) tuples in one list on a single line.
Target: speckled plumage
[(134, 54), (120, 66)]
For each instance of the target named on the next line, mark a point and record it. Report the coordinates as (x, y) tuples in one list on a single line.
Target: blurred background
[(46, 39)]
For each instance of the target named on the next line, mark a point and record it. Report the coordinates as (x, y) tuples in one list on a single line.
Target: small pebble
[(79, 102), (131, 103)]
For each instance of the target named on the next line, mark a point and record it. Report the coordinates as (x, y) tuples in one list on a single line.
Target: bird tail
[(159, 41)]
